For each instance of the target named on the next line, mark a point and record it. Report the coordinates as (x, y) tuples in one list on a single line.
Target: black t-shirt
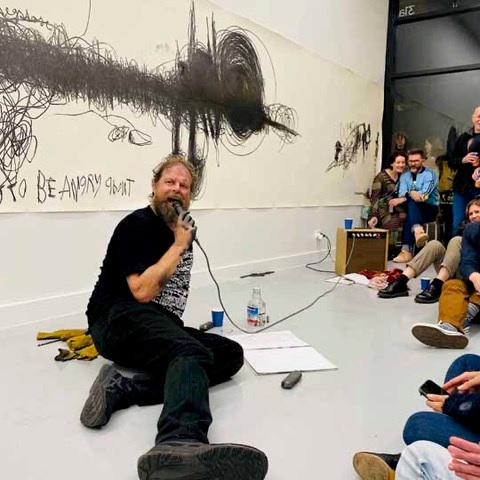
[(138, 242)]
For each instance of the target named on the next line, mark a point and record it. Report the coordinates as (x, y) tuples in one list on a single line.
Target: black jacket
[(463, 171), (470, 257), (464, 408)]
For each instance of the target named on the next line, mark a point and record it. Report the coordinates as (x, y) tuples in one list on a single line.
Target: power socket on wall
[(318, 235)]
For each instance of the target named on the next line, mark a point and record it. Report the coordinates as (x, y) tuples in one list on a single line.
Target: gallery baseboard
[(73, 304)]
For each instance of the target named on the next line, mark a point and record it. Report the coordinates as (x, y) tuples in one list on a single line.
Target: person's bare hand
[(475, 279), (395, 201), (470, 158), (435, 402), (465, 458), (476, 174), (372, 223), (466, 382), (184, 230), (415, 196)]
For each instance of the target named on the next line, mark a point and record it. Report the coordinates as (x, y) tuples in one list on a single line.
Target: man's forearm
[(146, 286)]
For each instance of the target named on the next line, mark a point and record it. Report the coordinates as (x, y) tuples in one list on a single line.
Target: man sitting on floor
[(134, 316)]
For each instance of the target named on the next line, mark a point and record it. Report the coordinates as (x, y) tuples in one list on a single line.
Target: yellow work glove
[(87, 353), (79, 342), (63, 335)]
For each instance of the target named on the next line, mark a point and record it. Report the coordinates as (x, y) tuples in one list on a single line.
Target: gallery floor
[(309, 432)]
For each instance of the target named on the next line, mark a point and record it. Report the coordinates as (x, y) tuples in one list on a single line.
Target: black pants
[(179, 364)]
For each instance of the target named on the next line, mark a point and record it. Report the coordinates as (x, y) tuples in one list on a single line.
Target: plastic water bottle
[(256, 309)]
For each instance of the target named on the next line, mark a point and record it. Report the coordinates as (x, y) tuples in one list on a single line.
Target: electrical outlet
[(318, 235)]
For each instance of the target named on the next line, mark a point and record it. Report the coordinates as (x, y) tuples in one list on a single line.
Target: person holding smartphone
[(456, 413)]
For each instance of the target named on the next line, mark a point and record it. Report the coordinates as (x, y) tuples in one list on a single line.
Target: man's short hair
[(416, 151), (170, 161)]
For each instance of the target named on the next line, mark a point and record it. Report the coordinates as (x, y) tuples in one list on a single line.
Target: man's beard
[(164, 210)]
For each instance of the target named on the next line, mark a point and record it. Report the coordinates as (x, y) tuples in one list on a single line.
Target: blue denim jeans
[(425, 460), (460, 201), (418, 213), (437, 427), (178, 365)]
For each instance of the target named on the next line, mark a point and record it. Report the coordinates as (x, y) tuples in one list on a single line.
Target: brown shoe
[(421, 238), (403, 257), (375, 466)]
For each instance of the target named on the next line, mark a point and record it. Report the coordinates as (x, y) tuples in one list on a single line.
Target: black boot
[(431, 294), (397, 288), (185, 460), (110, 392)]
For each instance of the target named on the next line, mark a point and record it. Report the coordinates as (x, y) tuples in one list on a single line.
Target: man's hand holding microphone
[(185, 230)]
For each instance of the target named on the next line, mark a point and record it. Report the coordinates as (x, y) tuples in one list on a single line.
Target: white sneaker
[(441, 335)]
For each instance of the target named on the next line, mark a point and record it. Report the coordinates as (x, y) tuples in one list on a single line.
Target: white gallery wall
[(50, 259)]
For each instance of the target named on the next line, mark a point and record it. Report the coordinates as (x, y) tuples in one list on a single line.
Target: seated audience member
[(427, 460), (384, 188), (446, 263), (453, 415), (463, 161), (460, 300), (419, 191)]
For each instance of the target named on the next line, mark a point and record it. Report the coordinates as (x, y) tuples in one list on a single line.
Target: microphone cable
[(262, 329), (178, 208)]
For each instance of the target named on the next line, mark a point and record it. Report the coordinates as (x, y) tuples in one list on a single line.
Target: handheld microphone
[(177, 206), (186, 218)]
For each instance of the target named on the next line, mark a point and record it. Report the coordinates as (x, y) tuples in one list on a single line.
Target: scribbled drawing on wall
[(214, 89), (354, 141)]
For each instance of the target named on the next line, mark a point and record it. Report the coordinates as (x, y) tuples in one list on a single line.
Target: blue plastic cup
[(348, 223), (217, 317), (424, 283)]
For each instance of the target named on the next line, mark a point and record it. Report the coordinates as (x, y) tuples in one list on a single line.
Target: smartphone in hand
[(430, 387)]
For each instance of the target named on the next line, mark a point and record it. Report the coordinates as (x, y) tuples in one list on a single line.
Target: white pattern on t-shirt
[(174, 294)]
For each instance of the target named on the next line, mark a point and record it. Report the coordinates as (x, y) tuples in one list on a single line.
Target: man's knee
[(433, 251), (467, 362), (455, 244), (418, 426), (436, 247), (454, 286), (194, 349)]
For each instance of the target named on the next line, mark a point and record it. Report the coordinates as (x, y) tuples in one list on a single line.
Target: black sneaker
[(375, 466), (202, 461), (430, 295), (393, 290), (108, 394)]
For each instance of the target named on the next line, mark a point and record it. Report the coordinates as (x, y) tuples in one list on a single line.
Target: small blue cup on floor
[(424, 283), (217, 317), (348, 223)]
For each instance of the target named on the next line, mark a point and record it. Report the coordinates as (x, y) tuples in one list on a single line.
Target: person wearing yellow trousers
[(460, 300)]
